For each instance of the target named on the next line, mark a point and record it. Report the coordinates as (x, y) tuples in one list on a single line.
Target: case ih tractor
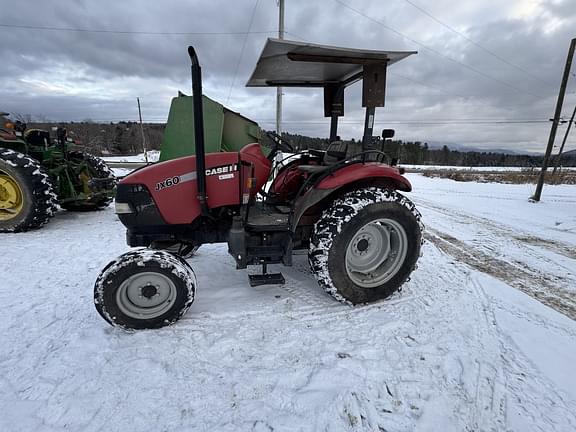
[(38, 172), (342, 205)]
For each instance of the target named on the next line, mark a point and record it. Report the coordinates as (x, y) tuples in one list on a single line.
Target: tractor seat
[(335, 153)]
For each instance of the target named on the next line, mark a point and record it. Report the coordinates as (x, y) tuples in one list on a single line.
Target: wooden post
[(555, 121), (142, 130)]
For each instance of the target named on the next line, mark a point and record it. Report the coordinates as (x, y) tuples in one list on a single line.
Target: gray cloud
[(77, 75)]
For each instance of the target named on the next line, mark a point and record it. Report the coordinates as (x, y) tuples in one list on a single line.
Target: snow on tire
[(366, 245), (145, 289), (97, 168), (27, 197), (103, 169)]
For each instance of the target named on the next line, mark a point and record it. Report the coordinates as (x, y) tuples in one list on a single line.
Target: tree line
[(126, 138), (419, 153)]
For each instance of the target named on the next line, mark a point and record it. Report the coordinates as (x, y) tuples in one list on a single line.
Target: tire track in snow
[(291, 310), (305, 358), (306, 301), (307, 306), (538, 286), (550, 405), (501, 231), (404, 325)]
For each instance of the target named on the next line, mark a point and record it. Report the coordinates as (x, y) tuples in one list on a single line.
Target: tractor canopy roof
[(288, 63)]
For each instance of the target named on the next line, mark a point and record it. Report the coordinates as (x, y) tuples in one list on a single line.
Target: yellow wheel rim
[(11, 201)]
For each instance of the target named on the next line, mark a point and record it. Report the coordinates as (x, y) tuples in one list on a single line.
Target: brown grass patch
[(512, 177)]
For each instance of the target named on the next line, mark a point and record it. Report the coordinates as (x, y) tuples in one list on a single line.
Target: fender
[(371, 170)]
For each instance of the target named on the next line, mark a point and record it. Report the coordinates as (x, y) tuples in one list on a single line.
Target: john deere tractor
[(39, 172)]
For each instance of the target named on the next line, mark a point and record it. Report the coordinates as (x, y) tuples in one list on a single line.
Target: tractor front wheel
[(145, 289), (27, 200), (366, 245)]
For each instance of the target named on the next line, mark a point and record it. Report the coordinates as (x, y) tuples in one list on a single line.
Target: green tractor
[(38, 172)]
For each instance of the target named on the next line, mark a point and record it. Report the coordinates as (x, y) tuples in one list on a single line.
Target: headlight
[(122, 208)]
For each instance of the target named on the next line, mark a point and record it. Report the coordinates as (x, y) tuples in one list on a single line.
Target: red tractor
[(363, 237)]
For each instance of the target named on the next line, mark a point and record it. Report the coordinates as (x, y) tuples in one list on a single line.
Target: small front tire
[(145, 289)]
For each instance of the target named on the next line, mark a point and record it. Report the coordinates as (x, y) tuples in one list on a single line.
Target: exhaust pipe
[(198, 129)]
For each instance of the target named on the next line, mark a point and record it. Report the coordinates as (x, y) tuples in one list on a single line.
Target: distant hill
[(435, 153), (466, 148)]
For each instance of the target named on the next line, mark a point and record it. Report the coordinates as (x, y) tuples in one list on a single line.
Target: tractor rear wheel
[(365, 245), (145, 289), (27, 199), (96, 168)]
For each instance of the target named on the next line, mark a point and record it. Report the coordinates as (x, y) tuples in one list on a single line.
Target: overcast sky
[(481, 60)]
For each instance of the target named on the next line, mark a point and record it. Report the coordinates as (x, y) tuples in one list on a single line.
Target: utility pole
[(559, 155), (555, 121), (142, 130), (279, 89)]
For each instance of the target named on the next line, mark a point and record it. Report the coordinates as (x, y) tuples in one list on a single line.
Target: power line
[(454, 121), (130, 32), (415, 81), (473, 69), (242, 50), (431, 86), (420, 122), (483, 48), (295, 35)]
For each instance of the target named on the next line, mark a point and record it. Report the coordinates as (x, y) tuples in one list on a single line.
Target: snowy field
[(475, 168), (482, 338)]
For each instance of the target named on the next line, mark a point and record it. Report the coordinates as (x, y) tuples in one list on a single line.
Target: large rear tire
[(365, 246), (27, 199), (145, 289)]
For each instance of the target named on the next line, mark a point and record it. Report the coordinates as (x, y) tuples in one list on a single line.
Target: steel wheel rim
[(146, 295), (11, 198), (376, 253)]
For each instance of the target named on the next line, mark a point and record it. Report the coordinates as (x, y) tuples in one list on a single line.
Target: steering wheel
[(279, 143)]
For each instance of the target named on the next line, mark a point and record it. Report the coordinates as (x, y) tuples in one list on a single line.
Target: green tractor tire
[(27, 198), (96, 168)]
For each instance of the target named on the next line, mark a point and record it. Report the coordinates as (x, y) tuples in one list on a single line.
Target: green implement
[(38, 171), (224, 130)]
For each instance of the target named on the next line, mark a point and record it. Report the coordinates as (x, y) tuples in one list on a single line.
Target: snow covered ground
[(153, 156), (123, 165), (482, 338), (475, 168)]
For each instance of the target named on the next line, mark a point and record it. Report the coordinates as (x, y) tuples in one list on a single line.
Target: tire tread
[(44, 199), (331, 223)]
